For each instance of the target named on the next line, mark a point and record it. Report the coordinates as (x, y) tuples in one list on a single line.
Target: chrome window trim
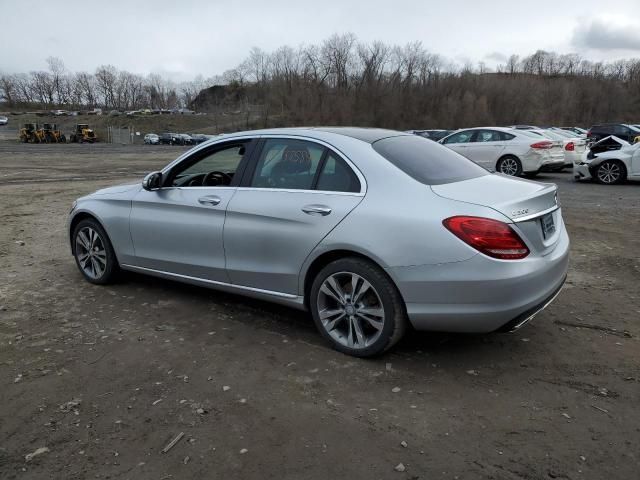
[(293, 190), (337, 151)]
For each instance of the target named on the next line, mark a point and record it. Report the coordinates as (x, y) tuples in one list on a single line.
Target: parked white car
[(574, 147), (3, 120), (508, 151), (151, 139), (610, 161)]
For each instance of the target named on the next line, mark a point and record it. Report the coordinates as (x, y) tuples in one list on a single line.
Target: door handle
[(316, 210), (210, 200)]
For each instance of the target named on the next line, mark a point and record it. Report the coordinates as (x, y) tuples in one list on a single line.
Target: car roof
[(499, 129), (368, 135)]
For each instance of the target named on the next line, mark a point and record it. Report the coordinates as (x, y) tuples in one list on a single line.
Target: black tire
[(112, 268), (610, 172), (395, 317), (506, 163)]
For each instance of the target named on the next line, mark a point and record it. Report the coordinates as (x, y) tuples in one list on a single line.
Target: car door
[(292, 195), (459, 141), (178, 227), (486, 147)]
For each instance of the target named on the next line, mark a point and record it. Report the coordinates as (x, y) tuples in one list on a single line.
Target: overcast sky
[(183, 38)]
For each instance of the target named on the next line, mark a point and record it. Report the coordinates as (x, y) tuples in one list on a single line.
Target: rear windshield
[(427, 161)]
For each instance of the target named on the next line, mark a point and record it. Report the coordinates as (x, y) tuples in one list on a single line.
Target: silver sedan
[(370, 230)]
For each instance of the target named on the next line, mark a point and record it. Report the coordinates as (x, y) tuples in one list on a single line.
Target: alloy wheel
[(350, 310), (609, 172), (91, 253), (509, 166)]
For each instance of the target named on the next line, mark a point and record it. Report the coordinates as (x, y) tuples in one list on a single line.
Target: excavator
[(83, 134), (52, 134)]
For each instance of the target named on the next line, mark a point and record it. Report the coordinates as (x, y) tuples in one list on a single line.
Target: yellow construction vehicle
[(83, 134), (52, 134), (31, 132)]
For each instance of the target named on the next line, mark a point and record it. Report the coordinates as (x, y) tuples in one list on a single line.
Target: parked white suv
[(509, 151)]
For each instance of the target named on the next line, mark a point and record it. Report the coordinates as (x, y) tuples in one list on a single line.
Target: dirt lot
[(105, 377)]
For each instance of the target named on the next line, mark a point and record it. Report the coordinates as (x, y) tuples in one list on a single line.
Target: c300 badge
[(518, 213)]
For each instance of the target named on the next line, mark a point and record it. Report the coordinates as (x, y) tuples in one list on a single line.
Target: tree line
[(107, 88), (342, 81)]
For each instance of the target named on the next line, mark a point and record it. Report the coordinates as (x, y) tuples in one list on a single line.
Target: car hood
[(515, 198), (123, 188)]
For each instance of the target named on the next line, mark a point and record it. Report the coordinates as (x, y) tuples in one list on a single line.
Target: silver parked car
[(512, 151), (368, 229), (151, 139)]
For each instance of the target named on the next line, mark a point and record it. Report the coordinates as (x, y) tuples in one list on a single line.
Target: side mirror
[(153, 181)]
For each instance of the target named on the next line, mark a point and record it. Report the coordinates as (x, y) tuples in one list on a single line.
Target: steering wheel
[(221, 178)]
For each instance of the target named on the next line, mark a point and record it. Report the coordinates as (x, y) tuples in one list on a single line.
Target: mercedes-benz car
[(370, 230)]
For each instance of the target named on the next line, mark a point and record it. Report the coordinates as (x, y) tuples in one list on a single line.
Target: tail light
[(570, 147), (544, 145), (491, 237)]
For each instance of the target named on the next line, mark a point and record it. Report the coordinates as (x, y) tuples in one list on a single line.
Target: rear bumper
[(481, 295), (552, 164), (525, 317)]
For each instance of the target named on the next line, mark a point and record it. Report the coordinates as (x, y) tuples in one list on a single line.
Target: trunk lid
[(556, 152), (513, 197), (532, 206)]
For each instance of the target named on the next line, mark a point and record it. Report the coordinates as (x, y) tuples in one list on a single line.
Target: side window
[(620, 130), (208, 169), (506, 136), (337, 176), (487, 136), (460, 137), (287, 164)]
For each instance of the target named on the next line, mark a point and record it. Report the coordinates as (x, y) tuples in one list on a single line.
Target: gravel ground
[(96, 381)]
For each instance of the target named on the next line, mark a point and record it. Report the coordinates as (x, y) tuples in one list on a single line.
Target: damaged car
[(610, 161)]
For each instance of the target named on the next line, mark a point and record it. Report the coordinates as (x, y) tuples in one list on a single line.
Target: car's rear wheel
[(357, 308), (610, 172), (94, 253), (510, 165)]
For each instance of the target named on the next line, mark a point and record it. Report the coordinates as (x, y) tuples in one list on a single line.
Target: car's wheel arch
[(508, 154), (85, 215), (316, 263), (594, 166)]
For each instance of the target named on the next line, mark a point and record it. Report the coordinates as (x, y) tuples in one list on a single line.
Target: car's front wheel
[(610, 172), (357, 308), (93, 252)]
